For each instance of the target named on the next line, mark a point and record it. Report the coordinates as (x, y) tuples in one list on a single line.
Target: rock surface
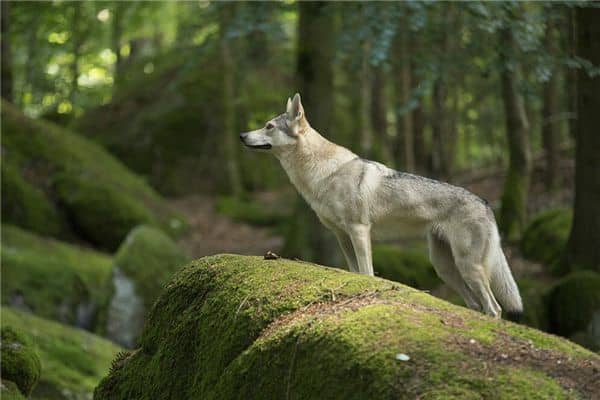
[(243, 327)]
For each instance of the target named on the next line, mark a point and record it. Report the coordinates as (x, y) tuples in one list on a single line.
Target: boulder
[(546, 236), (54, 279), (574, 307), (144, 263), (408, 266), (20, 362), (230, 326), (72, 361), (75, 184)]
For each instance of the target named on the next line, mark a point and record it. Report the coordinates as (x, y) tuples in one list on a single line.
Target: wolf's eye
[(270, 126)]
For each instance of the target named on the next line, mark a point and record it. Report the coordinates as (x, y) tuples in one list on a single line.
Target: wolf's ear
[(295, 111)]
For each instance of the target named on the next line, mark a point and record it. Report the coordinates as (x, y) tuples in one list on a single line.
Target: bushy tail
[(503, 284)]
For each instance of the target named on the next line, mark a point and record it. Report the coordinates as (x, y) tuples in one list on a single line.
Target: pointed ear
[(295, 110), (288, 107)]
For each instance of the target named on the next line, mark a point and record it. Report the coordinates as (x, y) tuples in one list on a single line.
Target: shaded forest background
[(120, 150)]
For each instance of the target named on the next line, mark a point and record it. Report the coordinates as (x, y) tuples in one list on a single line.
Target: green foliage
[(20, 363), (535, 303), (546, 236), (53, 278), (25, 205), (73, 361), (230, 324), (98, 197), (573, 302), (410, 267), (249, 211), (149, 258)]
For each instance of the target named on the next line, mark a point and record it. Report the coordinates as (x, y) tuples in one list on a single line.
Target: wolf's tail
[(503, 284)]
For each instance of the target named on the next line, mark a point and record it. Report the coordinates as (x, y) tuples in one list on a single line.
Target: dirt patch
[(572, 373), (211, 233)]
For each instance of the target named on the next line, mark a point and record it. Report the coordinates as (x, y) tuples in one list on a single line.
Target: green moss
[(10, 391), (251, 212), (274, 329), (573, 302), (535, 306), (25, 205), (149, 258), (101, 200), (546, 236), (411, 267), (20, 362), (73, 361), (53, 277), (513, 205)]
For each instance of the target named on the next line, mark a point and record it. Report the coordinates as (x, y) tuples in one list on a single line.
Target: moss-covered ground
[(52, 277), (72, 361), (55, 173), (243, 327)]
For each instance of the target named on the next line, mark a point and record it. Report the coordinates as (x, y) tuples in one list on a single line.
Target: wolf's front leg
[(361, 241), (346, 246)]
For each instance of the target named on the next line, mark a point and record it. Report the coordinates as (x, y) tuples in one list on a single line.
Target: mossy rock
[(73, 361), (573, 301), (546, 236), (144, 263), (410, 267), (535, 303), (27, 206), (54, 279), (250, 212), (76, 184), (20, 362), (232, 326), (10, 391)]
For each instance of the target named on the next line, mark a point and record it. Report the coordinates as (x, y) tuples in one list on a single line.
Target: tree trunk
[(583, 250), (116, 35), (571, 78), (418, 114), (379, 115), (366, 132), (306, 238), (514, 197), (78, 39), (550, 110), (229, 98), (7, 78), (439, 126), (404, 149)]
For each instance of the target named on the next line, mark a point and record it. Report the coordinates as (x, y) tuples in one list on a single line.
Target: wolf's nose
[(242, 136)]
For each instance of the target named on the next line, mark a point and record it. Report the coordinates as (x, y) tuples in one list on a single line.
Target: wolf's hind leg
[(440, 256), (479, 283)]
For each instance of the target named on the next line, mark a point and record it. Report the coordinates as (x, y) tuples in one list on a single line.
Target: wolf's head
[(280, 132)]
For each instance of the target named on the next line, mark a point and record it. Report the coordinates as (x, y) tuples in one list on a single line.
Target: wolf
[(359, 199)]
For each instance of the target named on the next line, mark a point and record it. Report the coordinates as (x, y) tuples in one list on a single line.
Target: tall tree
[(306, 237), (401, 68), (379, 114), (226, 15), (7, 78), (583, 251), (514, 197), (550, 109)]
